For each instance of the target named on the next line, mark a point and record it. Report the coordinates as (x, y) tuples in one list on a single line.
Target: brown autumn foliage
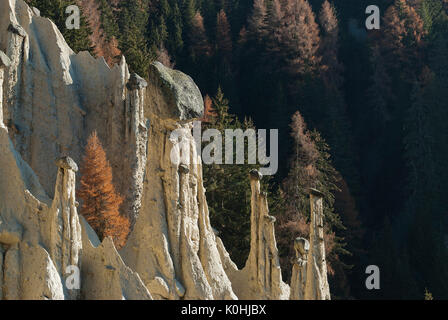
[(275, 31), (397, 46), (199, 42), (242, 36), (103, 46), (257, 20), (223, 38), (303, 174), (209, 111), (402, 36), (100, 201), (291, 33), (300, 36), (164, 57), (329, 46)]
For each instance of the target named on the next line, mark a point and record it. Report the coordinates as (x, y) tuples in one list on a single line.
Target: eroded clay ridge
[(51, 99)]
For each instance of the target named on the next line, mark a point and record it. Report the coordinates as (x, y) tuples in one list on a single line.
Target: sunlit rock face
[(261, 277), (51, 99), (172, 246), (54, 99)]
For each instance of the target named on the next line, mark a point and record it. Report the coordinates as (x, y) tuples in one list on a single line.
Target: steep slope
[(72, 95), (103, 46), (53, 100)]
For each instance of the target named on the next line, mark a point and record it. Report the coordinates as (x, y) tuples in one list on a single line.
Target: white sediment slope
[(52, 99)]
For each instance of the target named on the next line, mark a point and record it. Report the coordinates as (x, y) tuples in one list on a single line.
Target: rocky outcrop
[(299, 269), (41, 240), (173, 94), (53, 99), (26, 268), (104, 276), (39, 278), (309, 274), (4, 63), (172, 246), (63, 235), (316, 287), (261, 277), (73, 95)]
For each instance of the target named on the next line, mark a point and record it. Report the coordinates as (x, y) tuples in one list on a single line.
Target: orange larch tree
[(100, 201), (209, 111), (223, 38), (332, 69), (200, 47), (257, 20)]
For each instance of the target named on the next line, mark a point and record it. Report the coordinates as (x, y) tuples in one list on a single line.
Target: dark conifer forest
[(362, 116)]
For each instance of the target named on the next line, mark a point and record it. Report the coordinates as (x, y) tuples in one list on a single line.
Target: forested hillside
[(361, 117)]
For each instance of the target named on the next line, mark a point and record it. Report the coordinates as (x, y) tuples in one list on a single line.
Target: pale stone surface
[(261, 278), (53, 100), (316, 287), (104, 276), (11, 274), (172, 246), (5, 62), (72, 95), (309, 279), (64, 232), (27, 270), (182, 99), (34, 262), (41, 280), (298, 276)]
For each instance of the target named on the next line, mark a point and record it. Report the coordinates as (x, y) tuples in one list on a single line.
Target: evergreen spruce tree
[(189, 12), (310, 167), (133, 22), (108, 20), (175, 42), (229, 206), (424, 221), (77, 39)]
